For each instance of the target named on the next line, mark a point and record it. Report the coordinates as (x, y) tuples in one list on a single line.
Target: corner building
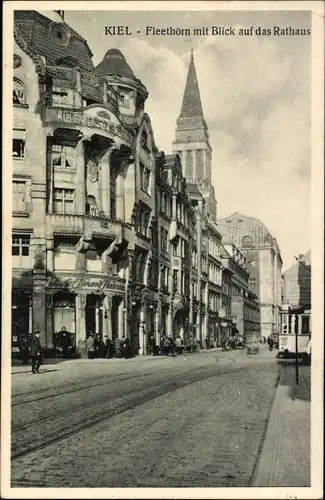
[(84, 212)]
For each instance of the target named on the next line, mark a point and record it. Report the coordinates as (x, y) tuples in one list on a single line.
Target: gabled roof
[(191, 105)]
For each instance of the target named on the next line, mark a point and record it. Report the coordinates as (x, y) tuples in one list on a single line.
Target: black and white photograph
[(162, 286)]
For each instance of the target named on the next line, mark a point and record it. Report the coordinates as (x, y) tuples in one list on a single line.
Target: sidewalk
[(285, 455), (54, 361)]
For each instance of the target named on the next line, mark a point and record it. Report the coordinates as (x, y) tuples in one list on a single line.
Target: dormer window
[(60, 34), (60, 98), (19, 93)]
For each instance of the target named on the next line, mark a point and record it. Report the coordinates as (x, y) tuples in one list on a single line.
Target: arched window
[(19, 92), (247, 242)]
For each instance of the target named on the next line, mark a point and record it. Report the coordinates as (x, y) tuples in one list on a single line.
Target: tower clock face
[(17, 61)]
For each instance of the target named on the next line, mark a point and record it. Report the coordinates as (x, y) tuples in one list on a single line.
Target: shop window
[(19, 196), (20, 251), (63, 316), (18, 143), (19, 93), (63, 156), (65, 253), (63, 201)]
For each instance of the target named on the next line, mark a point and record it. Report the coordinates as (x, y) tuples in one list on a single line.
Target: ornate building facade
[(84, 207), (264, 263)]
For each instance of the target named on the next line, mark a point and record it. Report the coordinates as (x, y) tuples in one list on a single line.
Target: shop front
[(84, 306)]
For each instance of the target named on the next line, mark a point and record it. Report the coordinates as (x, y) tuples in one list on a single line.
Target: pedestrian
[(191, 343), (223, 344), (126, 348), (101, 349), (207, 343), (24, 348), (96, 345), (108, 347), (178, 344), (171, 346), (36, 353), (166, 346), (65, 342), (90, 346)]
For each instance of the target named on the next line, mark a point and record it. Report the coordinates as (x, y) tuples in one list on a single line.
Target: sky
[(255, 92)]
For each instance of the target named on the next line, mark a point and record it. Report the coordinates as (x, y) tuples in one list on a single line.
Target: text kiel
[(117, 30)]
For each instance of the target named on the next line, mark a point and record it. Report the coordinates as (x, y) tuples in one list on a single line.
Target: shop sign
[(97, 118), (77, 283)]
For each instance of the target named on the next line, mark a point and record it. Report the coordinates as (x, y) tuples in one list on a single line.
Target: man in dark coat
[(24, 348), (36, 353)]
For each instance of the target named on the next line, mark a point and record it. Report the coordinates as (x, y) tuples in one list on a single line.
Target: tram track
[(95, 412), (57, 413), (98, 381)]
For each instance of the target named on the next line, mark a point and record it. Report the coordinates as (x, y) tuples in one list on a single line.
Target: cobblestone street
[(189, 421)]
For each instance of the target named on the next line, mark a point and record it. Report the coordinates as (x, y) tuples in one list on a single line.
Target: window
[(19, 93), (145, 178), (252, 282), (94, 257), (164, 240), (91, 206), (20, 250), (60, 98), (63, 156), (63, 201), (65, 253), (19, 196), (18, 143), (144, 141)]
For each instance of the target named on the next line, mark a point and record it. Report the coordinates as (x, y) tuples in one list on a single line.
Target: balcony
[(84, 223)]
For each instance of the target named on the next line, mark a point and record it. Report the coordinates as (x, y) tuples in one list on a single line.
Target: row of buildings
[(111, 235)]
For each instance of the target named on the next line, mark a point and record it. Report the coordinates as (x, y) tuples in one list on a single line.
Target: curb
[(265, 456)]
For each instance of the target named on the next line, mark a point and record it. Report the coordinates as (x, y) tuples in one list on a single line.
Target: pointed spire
[(191, 105)]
